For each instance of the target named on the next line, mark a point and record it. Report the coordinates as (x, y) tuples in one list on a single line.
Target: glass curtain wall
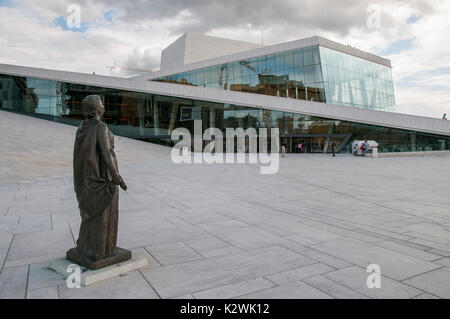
[(356, 82), (295, 74), (314, 73), (153, 117)]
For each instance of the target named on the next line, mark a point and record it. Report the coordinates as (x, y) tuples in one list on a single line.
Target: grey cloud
[(331, 16)]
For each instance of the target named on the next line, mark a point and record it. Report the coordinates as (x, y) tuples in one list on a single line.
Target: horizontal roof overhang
[(267, 50), (326, 110)]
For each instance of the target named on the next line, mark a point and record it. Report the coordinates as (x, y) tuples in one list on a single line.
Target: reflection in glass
[(153, 117)]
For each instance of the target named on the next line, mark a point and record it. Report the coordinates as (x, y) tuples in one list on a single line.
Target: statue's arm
[(105, 152)]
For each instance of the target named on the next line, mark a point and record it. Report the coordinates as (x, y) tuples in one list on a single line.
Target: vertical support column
[(327, 142), (173, 116), (212, 117), (413, 142), (141, 113), (155, 116)]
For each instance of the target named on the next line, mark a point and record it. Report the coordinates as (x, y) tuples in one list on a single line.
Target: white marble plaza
[(225, 230)]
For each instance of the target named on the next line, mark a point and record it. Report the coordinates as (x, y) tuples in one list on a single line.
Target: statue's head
[(92, 106)]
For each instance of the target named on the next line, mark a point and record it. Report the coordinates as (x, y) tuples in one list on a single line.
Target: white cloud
[(140, 31)]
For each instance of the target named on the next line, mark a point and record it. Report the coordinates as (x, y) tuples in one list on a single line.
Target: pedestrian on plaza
[(333, 149), (365, 147)]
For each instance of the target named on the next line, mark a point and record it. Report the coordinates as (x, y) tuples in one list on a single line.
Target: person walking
[(333, 149), (365, 147)]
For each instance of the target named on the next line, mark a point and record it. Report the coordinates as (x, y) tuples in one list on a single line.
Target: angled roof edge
[(325, 110), (271, 49)]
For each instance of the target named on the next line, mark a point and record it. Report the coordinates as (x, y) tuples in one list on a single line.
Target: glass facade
[(313, 73), (152, 117), (356, 82), (295, 74)]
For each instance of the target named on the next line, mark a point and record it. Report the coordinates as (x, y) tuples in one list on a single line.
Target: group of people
[(364, 147), (300, 148), (360, 149)]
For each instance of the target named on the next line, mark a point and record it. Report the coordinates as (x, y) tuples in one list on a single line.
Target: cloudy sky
[(414, 34)]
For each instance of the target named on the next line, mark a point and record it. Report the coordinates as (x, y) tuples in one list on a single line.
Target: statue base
[(120, 255)]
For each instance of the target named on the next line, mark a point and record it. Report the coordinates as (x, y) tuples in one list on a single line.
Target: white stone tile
[(234, 290), (296, 290), (317, 255), (43, 293), (443, 262), (407, 250), (394, 264), (242, 235), (299, 273), (13, 282), (436, 282), (333, 288), (173, 253), (355, 278), (39, 244), (131, 286), (230, 250), (180, 279), (41, 276)]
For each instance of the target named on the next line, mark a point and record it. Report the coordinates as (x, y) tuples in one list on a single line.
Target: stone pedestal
[(120, 255), (89, 277)]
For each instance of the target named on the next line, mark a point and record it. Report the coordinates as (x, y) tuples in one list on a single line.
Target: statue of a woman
[(96, 179)]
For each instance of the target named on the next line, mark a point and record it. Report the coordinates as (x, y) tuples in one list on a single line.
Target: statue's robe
[(96, 177)]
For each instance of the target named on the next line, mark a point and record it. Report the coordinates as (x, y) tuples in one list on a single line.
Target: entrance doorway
[(314, 143)]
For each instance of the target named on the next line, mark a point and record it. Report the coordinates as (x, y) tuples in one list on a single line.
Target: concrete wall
[(192, 48), (173, 56)]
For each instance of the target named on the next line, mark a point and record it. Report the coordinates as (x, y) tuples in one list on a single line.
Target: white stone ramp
[(225, 230)]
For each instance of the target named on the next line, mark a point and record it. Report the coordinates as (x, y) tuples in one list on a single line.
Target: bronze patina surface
[(96, 181)]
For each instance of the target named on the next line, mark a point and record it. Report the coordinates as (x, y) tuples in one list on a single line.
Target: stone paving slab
[(167, 254), (234, 290), (301, 273), (355, 278), (131, 286), (393, 264), (44, 293), (179, 279), (41, 243), (225, 231), (436, 282), (333, 288), (13, 282), (296, 290), (241, 235)]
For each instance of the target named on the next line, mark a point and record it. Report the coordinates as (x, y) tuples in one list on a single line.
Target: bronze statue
[(96, 179)]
